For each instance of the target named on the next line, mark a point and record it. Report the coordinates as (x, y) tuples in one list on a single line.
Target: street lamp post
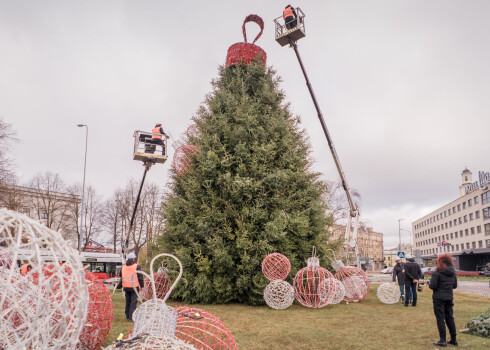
[(411, 244), (83, 188), (399, 236)]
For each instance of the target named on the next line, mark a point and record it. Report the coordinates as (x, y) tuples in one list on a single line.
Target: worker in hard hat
[(289, 16), (129, 281), (157, 135)]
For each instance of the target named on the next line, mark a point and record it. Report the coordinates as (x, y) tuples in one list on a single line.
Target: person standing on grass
[(412, 276), (442, 282), (399, 273), (130, 279)]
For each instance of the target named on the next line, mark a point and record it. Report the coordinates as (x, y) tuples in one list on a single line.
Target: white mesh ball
[(46, 307), (388, 293), (155, 318), (279, 294), (332, 289)]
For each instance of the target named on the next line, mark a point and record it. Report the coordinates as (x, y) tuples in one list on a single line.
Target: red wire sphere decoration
[(276, 266), (193, 131), (313, 286), (245, 53), (182, 158), (162, 285), (203, 330), (99, 315), (355, 281)]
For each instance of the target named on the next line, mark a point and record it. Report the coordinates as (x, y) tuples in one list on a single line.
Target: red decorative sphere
[(276, 266), (203, 330), (99, 313), (355, 281), (162, 285), (313, 286), (182, 158)]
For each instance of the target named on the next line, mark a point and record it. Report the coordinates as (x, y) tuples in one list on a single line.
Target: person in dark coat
[(129, 281), (399, 273), (442, 282), (412, 276)]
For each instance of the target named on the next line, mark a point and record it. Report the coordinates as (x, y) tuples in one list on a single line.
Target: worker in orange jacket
[(25, 268), (130, 279), (289, 16), (157, 135)]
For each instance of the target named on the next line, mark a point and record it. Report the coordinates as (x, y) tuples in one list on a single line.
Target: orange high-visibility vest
[(129, 277), (23, 269), (155, 133), (288, 12)]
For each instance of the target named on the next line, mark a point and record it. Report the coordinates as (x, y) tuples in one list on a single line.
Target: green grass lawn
[(365, 325)]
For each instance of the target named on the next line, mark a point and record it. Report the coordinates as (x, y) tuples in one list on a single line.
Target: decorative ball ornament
[(279, 295), (333, 291), (162, 285), (355, 281), (154, 316), (182, 158), (147, 341), (388, 293), (276, 266), (193, 131), (47, 307), (99, 315), (245, 53), (310, 286), (203, 330)]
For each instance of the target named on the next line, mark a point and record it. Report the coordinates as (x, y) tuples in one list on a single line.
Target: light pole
[(399, 236), (83, 188), (411, 245)]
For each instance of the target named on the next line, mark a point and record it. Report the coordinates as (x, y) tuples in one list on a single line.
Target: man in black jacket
[(399, 272), (412, 276)]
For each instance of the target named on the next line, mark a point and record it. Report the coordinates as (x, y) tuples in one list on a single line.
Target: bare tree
[(336, 199), (53, 204), (92, 217), (7, 136)]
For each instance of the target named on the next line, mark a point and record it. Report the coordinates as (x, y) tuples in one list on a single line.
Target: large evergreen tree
[(249, 191)]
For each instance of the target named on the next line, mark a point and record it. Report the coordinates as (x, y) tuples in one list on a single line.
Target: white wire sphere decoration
[(333, 291), (155, 317), (388, 293), (147, 341), (279, 294), (46, 308), (309, 286)]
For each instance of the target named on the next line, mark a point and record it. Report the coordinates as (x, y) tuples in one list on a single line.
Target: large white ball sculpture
[(279, 294), (388, 293), (44, 306)]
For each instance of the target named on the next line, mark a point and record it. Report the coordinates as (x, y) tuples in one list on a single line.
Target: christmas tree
[(247, 190)]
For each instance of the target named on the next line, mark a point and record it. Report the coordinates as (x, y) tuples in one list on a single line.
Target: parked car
[(388, 270), (427, 270)]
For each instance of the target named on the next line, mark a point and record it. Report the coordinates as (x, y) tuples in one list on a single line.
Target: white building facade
[(461, 227)]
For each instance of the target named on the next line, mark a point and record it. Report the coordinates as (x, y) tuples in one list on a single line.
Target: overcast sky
[(404, 88)]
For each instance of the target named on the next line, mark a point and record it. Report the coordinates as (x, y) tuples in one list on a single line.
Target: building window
[(478, 229), (487, 229), (451, 235), (468, 245), (466, 232), (456, 234), (480, 244), (486, 213), (475, 199), (452, 248), (44, 214), (471, 216), (450, 224), (488, 243), (457, 247), (445, 225), (455, 222), (466, 218), (485, 197), (470, 202), (26, 211), (459, 207), (472, 230), (461, 233), (464, 205), (477, 214), (459, 221), (473, 245), (454, 210)]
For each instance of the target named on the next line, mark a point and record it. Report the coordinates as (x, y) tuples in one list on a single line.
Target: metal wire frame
[(388, 293), (203, 330), (182, 158), (279, 295), (45, 308), (313, 286), (276, 266), (355, 280), (147, 341)]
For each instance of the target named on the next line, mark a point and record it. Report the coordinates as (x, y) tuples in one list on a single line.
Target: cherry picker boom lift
[(290, 34)]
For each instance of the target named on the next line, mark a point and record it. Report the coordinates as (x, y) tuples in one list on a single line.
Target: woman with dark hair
[(443, 282)]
